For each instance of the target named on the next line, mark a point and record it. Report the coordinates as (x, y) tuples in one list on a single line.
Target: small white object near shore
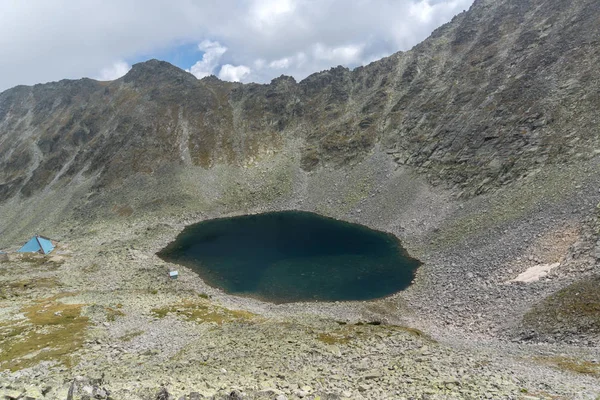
[(174, 274)]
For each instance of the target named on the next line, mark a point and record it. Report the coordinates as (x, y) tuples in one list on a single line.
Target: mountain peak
[(154, 70)]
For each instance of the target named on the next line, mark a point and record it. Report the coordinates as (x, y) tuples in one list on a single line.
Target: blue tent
[(37, 244)]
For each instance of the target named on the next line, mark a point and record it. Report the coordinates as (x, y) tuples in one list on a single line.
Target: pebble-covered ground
[(107, 322)]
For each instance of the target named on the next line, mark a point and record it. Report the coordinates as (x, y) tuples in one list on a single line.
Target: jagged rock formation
[(498, 92)]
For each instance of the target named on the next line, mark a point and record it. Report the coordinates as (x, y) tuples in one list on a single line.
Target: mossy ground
[(130, 336), (51, 331), (346, 333), (113, 313), (26, 285), (507, 206), (576, 307), (572, 365), (202, 311)]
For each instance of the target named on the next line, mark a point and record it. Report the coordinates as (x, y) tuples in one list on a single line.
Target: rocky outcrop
[(494, 95)]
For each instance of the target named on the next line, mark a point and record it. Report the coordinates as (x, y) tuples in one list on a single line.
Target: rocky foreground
[(99, 318)]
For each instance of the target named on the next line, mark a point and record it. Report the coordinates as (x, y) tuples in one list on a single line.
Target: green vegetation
[(203, 312), (334, 338), (575, 307), (130, 336), (112, 314), (37, 283), (21, 287), (571, 364), (39, 260), (52, 331), (346, 333), (507, 206)]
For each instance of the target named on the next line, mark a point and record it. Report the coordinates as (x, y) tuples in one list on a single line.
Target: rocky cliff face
[(494, 95)]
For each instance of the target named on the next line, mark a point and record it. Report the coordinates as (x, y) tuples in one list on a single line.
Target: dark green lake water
[(293, 256)]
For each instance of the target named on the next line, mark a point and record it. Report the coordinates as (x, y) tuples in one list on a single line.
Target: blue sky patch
[(182, 56)]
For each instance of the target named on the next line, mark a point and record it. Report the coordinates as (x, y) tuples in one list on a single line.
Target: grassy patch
[(18, 288), (507, 206), (112, 314), (129, 336), (92, 268), (202, 311), (346, 333), (40, 260), (52, 331), (576, 306), (572, 365), (334, 338), (34, 283), (123, 210)]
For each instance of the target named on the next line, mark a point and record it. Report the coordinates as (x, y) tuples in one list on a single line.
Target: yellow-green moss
[(92, 268), (52, 331), (33, 283), (576, 306), (130, 336), (201, 311), (24, 286), (334, 338), (112, 314), (572, 365), (346, 333)]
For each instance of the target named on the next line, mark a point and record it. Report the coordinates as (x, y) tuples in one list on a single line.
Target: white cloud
[(213, 51), (267, 13), (343, 54), (211, 59), (422, 11), (268, 37), (115, 71), (233, 73), (282, 63)]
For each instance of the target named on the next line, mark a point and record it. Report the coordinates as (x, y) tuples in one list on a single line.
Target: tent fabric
[(37, 244)]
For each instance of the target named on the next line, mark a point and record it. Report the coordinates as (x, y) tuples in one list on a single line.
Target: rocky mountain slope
[(478, 148), (498, 92)]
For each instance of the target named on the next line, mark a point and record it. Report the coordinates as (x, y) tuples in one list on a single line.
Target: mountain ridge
[(406, 102), (490, 98)]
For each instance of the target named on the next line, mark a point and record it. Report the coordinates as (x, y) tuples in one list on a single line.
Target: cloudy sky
[(241, 40)]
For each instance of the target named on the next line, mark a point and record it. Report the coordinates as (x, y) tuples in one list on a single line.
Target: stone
[(100, 393), (300, 393), (11, 394), (374, 374), (597, 250), (235, 395), (363, 388), (162, 394), (87, 389)]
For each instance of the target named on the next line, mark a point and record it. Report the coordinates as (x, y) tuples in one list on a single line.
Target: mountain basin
[(293, 256)]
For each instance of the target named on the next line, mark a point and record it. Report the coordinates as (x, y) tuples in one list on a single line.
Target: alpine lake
[(293, 256)]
